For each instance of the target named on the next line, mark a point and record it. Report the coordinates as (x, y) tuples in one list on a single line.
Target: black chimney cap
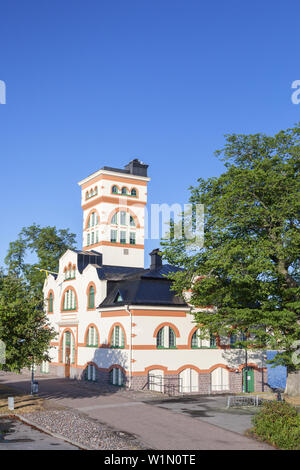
[(156, 260), (136, 167)]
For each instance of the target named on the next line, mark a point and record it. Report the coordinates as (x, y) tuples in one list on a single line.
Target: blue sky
[(99, 82)]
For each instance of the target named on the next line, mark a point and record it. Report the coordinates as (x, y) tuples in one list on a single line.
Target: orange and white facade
[(105, 307)]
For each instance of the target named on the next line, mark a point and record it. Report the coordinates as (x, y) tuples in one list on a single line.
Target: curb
[(46, 431)]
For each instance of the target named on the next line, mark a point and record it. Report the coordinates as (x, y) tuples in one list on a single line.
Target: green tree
[(46, 244), (248, 268), (24, 329)]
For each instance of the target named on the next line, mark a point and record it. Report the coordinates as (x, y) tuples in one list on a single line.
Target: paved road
[(156, 427), (15, 435)]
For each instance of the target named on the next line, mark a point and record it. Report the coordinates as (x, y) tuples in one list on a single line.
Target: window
[(69, 302), (117, 338), (92, 337), (113, 236), (91, 303), (124, 223), (91, 193), (133, 192), (236, 338), (50, 303), (166, 338), (68, 348), (70, 272), (119, 297), (92, 238), (116, 376), (114, 190), (93, 219), (198, 342), (122, 237), (123, 218), (212, 341), (91, 373), (219, 379), (172, 338), (88, 239), (160, 338), (114, 219), (124, 190), (132, 238)]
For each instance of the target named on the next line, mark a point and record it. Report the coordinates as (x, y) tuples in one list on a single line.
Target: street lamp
[(34, 386)]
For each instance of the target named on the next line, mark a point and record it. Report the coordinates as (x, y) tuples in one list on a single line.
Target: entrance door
[(67, 353), (249, 377), (189, 381)]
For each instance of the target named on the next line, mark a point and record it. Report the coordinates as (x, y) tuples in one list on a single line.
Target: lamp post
[(33, 385), (246, 370)]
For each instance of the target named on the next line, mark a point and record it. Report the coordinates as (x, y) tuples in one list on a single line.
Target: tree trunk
[(293, 384)]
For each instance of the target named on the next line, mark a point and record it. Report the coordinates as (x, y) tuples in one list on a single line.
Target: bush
[(279, 424)]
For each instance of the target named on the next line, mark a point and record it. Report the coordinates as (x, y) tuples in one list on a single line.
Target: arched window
[(93, 219), (117, 338), (133, 192), (124, 190), (69, 301), (70, 272), (114, 189), (116, 376), (91, 303), (166, 338), (197, 342), (219, 379), (123, 222), (92, 337), (50, 303), (234, 339)]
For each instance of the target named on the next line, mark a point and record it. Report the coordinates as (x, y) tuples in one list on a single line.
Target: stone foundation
[(171, 382)]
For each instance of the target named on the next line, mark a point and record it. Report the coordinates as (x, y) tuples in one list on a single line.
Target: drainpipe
[(130, 346)]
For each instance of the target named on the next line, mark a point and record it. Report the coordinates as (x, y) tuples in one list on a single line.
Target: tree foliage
[(24, 329), (23, 323), (248, 268), (47, 244)]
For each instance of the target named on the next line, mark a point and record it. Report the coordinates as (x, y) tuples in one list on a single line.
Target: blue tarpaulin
[(276, 375)]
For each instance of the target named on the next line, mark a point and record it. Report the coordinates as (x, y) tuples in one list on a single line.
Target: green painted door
[(250, 380)]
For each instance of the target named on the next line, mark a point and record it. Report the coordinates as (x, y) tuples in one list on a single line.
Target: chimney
[(136, 167), (156, 260)]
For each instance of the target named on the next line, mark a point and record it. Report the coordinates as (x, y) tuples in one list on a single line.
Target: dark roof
[(143, 287), (141, 292), (134, 286), (117, 273)]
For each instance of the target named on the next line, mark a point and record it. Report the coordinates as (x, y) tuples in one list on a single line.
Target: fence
[(244, 400), (169, 385)]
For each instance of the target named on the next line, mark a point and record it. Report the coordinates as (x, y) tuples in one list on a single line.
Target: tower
[(113, 202)]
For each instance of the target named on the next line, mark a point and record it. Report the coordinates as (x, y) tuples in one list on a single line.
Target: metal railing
[(168, 385)]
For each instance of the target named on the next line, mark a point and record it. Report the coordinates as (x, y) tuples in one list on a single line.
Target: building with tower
[(120, 323)]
